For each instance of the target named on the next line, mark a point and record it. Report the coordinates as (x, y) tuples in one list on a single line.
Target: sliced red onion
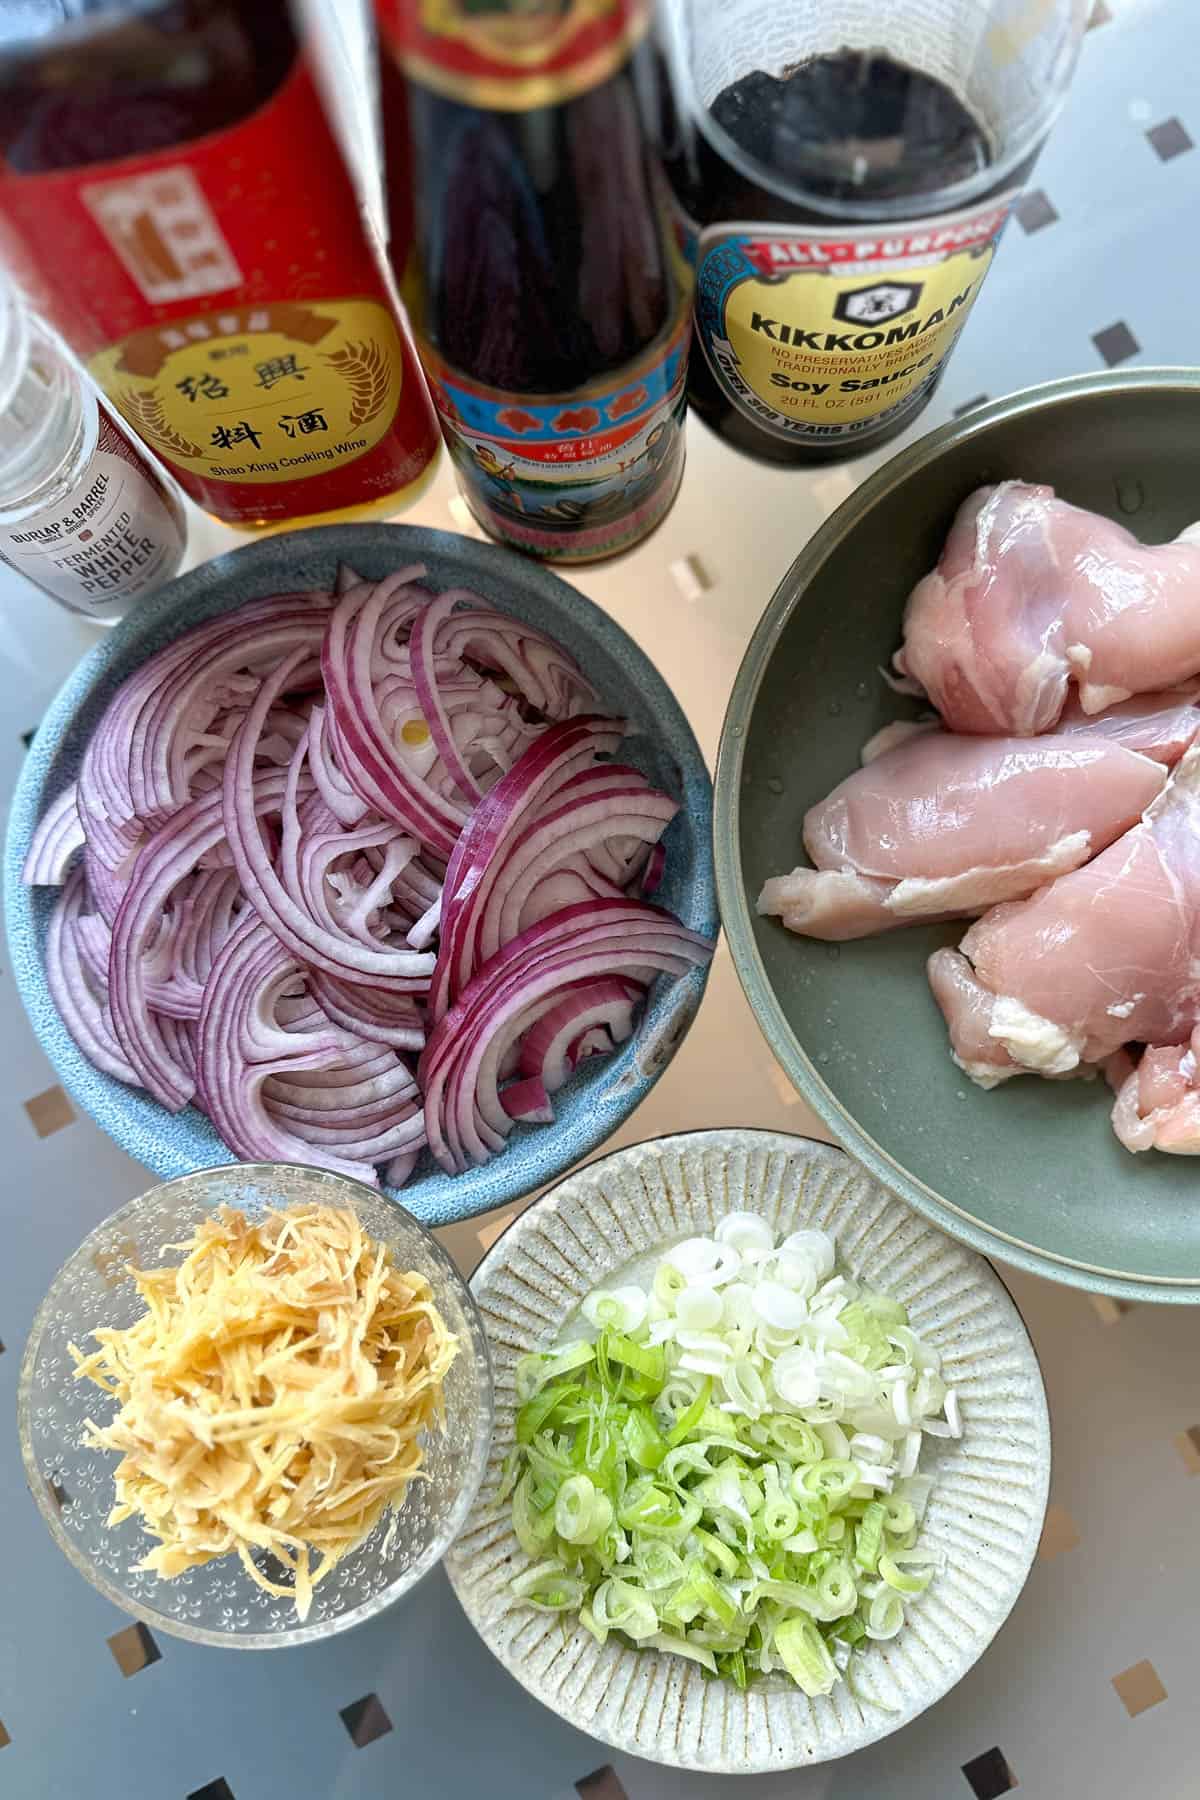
[(222, 674), (58, 836), (604, 1011), (172, 853), (245, 1055), (78, 993), (652, 874), (527, 1103), (422, 934), (459, 1069), (356, 643), (379, 1014), (421, 651), (332, 785), (267, 875), (310, 939), (552, 759), (547, 675)]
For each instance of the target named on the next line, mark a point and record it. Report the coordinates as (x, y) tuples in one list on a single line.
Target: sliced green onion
[(619, 1606), (796, 1439), (898, 1515), (678, 1646), (831, 1479), (549, 1588), (804, 1655), (885, 1616), (646, 1444), (710, 1477), (908, 1571), (622, 1309), (534, 1529), (643, 1359), (533, 1372), (668, 1285), (690, 1418), (868, 1535)]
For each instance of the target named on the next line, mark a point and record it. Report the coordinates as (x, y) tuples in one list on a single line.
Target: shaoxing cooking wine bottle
[(548, 285), (849, 169), (173, 199)]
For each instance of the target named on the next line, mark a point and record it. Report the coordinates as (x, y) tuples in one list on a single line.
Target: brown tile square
[(134, 1649), (989, 1776), (489, 1232), (1139, 1688), (1188, 1446), (4, 1737), (601, 1784), (1108, 1310), (49, 1112), (1059, 1533), (365, 1720)]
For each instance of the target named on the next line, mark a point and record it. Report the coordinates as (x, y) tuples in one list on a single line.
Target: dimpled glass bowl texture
[(73, 1484), (1030, 1172), (605, 1090)]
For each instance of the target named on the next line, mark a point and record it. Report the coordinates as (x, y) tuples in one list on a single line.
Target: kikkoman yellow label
[(260, 393), (820, 335)]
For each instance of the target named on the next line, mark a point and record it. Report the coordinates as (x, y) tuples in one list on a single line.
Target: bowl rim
[(670, 1010), (475, 1464), (789, 1143), (941, 1211)]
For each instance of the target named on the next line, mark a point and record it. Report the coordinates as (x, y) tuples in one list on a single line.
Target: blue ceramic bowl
[(606, 1089)]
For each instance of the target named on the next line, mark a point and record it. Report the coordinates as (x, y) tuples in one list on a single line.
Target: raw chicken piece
[(1030, 595), (944, 826), (1158, 1101), (1106, 955)]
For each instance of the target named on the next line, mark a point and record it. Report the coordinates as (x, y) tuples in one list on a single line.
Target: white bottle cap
[(36, 381)]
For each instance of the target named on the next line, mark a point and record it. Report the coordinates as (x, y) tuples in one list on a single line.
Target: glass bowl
[(73, 1483)]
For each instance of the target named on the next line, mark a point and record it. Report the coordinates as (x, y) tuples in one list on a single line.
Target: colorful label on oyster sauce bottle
[(575, 477)]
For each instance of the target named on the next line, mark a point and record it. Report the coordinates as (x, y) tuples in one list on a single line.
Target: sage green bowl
[(1030, 1172)]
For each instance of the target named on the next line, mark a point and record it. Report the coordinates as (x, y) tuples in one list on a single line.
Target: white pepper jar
[(83, 514)]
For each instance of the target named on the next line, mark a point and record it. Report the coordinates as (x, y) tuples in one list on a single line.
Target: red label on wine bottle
[(512, 57), (224, 296)]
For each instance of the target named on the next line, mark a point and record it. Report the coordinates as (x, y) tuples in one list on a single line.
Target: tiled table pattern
[(1091, 1689)]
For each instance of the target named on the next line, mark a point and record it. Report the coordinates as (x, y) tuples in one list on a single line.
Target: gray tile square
[(1035, 211), (1169, 139), (1116, 343)]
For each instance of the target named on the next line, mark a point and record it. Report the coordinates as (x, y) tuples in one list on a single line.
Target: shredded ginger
[(272, 1397)]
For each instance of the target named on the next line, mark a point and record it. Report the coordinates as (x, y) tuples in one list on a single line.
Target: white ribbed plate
[(985, 1515)]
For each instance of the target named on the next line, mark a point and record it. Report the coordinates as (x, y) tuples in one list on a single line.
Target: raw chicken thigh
[(1031, 595), (1158, 1099), (1106, 955), (943, 826)]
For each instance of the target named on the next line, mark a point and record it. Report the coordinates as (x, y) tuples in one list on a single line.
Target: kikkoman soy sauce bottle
[(848, 169), (173, 200), (547, 282)]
